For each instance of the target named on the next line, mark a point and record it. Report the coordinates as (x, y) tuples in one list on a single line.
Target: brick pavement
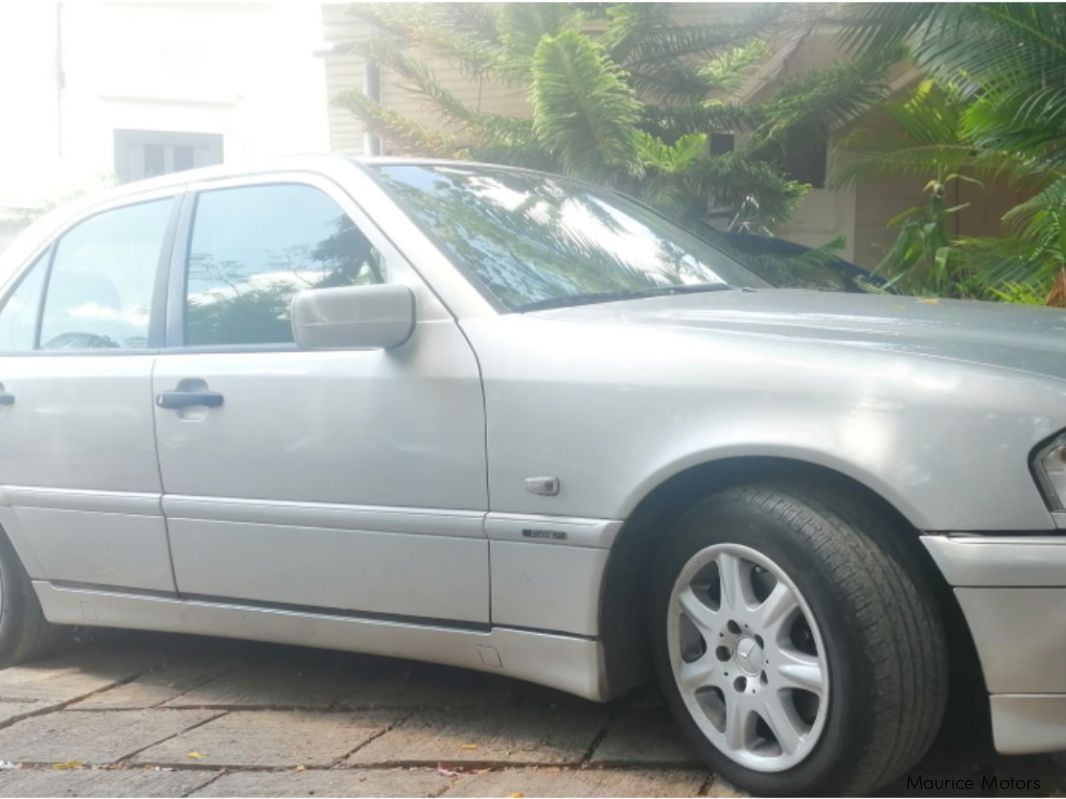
[(137, 714)]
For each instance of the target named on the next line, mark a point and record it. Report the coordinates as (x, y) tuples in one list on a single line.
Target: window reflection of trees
[(243, 303), (529, 237)]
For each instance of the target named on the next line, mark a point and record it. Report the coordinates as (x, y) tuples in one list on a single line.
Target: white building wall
[(72, 73)]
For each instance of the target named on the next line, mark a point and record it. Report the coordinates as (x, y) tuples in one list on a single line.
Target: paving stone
[(420, 685), (271, 738), (278, 685), (580, 782), (719, 787), (332, 782), (102, 737), (12, 710), (646, 738), (100, 782), (162, 684), (522, 735), (74, 675)]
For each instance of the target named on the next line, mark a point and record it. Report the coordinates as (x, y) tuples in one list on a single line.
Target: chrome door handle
[(188, 399)]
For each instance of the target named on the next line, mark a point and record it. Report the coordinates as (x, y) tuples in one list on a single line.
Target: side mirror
[(350, 317)]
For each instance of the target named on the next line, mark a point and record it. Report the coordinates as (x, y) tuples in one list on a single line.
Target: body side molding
[(567, 663)]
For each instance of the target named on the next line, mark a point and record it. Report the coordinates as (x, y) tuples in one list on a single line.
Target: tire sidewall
[(722, 519), (15, 585)]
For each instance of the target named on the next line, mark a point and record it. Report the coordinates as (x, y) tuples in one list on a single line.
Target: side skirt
[(567, 663)]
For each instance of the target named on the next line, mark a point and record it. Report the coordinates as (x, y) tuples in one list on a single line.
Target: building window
[(147, 153), (806, 157), (722, 143)]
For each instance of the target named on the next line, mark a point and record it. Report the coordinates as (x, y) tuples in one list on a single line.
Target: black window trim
[(156, 318), (41, 259)]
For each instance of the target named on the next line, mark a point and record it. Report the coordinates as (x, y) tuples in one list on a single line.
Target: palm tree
[(998, 106), (619, 94)]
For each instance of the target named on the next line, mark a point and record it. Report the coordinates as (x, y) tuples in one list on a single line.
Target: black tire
[(882, 632), (24, 633)]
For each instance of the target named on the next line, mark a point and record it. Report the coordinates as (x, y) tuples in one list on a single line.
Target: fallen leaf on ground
[(929, 300), (469, 746), (194, 755), (68, 765), (517, 795)]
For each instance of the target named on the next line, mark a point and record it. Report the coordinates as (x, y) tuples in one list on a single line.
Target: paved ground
[(152, 715)]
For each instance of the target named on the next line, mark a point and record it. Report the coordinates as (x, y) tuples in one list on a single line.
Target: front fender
[(621, 409)]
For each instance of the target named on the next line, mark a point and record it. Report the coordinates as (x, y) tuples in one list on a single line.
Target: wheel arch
[(623, 625)]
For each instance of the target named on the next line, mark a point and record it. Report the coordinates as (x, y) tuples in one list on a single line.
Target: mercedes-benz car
[(505, 420)]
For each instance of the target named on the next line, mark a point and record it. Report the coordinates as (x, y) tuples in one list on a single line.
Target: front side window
[(18, 319), (99, 293), (254, 248), (537, 241)]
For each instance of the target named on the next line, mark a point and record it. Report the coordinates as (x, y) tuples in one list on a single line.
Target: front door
[(343, 480), (79, 478)]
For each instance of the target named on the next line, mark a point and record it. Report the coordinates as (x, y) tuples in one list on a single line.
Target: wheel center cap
[(748, 656)]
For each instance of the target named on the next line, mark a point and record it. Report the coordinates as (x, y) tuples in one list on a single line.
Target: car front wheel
[(796, 641)]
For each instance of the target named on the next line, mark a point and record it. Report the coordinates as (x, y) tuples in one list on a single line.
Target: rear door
[(78, 468), (348, 480)]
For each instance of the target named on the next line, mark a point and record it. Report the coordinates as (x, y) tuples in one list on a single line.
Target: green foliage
[(620, 93), (583, 110), (923, 260), (995, 106)]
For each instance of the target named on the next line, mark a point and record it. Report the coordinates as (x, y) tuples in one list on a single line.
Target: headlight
[(1050, 467)]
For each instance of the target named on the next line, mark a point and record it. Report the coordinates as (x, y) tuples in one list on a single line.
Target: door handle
[(188, 399), (6, 399)]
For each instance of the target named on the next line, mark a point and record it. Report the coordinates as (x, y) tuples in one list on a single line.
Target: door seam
[(159, 466)]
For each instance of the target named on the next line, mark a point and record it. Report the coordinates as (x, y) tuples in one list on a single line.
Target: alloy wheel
[(747, 657)]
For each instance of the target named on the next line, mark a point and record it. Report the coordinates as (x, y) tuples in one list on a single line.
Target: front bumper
[(1012, 590)]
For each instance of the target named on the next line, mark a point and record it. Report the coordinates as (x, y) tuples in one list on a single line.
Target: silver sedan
[(508, 421)]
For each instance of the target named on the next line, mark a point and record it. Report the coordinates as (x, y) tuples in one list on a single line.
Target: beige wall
[(881, 199), (345, 71)]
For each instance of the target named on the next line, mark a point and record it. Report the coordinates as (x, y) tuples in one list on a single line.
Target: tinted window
[(253, 249), (18, 319), (100, 289), (534, 240)]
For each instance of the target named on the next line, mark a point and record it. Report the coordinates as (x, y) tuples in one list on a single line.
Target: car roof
[(323, 163)]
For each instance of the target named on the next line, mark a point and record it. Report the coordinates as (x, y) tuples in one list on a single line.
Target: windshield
[(538, 241)]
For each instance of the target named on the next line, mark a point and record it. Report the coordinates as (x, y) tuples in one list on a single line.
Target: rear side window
[(254, 248), (18, 319), (99, 293)]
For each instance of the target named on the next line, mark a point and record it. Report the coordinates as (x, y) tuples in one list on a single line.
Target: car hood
[(1029, 339)]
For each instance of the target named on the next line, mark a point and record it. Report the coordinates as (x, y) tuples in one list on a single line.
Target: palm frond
[(823, 100), (736, 181), (727, 70), (869, 27), (669, 123), (521, 27), (407, 136), (461, 33), (583, 110), (658, 43), (416, 75)]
